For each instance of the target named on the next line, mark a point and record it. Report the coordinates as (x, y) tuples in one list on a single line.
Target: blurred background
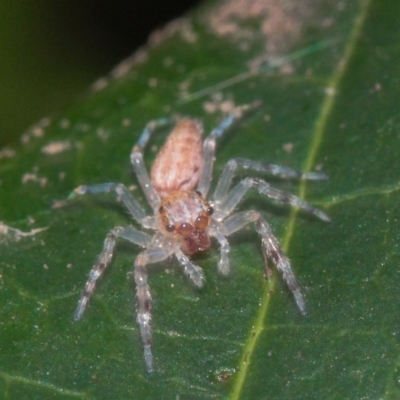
[(51, 51)]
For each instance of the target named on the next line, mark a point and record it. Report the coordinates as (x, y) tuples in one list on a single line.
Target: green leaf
[(240, 337)]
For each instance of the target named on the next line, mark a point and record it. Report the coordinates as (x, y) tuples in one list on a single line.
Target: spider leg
[(193, 271), (138, 165), (144, 297), (210, 142), (104, 259), (129, 201), (232, 199), (271, 249), (148, 131), (225, 180), (223, 264)]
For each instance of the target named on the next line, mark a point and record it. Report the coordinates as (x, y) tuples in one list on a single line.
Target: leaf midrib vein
[(318, 133)]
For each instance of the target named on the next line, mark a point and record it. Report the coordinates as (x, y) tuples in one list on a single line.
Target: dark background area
[(51, 51)]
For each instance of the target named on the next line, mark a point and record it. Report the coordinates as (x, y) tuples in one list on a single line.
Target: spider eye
[(185, 229), (170, 228), (201, 222), (210, 211)]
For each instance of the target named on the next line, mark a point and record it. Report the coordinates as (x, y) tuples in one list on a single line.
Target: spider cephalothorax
[(183, 219), (185, 215)]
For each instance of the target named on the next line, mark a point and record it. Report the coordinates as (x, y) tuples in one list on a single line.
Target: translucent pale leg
[(128, 200), (223, 264), (148, 131), (144, 297), (138, 165), (232, 199), (193, 271), (271, 249), (225, 179), (210, 142), (104, 259)]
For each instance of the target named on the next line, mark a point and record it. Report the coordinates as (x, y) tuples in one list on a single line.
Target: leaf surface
[(240, 337)]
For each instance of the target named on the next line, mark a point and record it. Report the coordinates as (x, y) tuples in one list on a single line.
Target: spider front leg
[(104, 259), (144, 297), (271, 248)]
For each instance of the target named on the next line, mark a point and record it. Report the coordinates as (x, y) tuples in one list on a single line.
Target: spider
[(184, 220)]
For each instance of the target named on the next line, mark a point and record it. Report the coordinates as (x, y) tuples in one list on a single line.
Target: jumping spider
[(184, 220)]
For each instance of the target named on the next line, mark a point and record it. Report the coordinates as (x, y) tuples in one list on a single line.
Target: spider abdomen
[(179, 163)]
